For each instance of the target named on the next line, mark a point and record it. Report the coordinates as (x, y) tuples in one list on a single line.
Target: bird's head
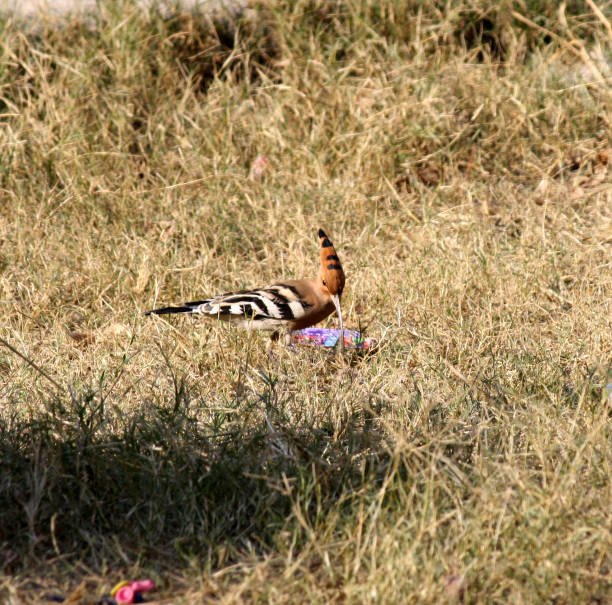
[(331, 275)]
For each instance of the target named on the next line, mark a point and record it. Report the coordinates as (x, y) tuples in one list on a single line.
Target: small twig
[(30, 362), (242, 372), (456, 373), (469, 166), (601, 17)]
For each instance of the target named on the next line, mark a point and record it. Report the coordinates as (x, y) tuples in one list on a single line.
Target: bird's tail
[(190, 307)]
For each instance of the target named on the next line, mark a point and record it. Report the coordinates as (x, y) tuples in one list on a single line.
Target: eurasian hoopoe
[(290, 305)]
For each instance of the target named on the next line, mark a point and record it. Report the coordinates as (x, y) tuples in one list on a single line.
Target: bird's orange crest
[(331, 273)]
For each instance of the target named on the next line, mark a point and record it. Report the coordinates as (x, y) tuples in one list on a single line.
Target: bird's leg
[(270, 348)]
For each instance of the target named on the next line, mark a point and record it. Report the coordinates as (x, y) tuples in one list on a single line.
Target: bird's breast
[(314, 315)]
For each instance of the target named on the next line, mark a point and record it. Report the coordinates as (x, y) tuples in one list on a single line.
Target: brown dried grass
[(466, 186)]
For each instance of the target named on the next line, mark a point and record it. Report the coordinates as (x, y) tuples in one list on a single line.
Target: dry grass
[(462, 166)]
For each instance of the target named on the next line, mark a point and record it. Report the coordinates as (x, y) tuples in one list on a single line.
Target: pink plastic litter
[(130, 593), (328, 337), (259, 166)]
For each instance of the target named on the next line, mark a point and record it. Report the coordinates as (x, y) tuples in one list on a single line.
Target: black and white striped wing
[(272, 306), (266, 309)]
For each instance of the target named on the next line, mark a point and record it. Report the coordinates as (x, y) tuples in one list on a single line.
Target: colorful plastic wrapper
[(327, 337), (259, 166)]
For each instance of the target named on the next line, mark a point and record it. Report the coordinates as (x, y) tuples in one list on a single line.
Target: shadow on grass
[(92, 479), (85, 481)]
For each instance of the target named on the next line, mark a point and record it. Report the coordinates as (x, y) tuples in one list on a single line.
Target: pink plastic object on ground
[(259, 166), (127, 594), (327, 337)]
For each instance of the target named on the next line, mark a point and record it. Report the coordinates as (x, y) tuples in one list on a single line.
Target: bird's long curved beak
[(336, 300)]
